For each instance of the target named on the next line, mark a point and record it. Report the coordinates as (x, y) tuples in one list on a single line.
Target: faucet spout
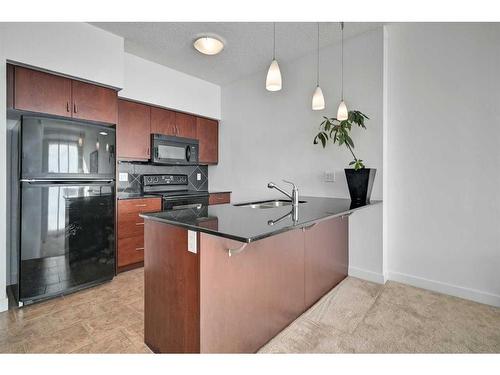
[(295, 191)]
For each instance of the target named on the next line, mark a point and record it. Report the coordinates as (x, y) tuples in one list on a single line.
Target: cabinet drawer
[(130, 250), (137, 206), (130, 225), (219, 198)]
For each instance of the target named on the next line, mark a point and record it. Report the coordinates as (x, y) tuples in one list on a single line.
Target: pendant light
[(318, 100), (342, 113), (273, 79)]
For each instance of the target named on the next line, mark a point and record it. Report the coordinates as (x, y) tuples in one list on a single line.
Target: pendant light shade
[(273, 79), (342, 112), (318, 100)]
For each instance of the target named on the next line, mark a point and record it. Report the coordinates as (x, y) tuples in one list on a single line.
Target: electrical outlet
[(329, 176), (198, 176), (123, 177)]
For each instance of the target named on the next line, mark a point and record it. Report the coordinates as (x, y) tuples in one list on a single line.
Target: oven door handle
[(184, 206)]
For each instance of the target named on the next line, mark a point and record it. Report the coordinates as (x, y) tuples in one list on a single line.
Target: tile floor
[(356, 316), (104, 319)]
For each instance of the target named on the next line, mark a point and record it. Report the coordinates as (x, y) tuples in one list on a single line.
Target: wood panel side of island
[(171, 290), (248, 298)]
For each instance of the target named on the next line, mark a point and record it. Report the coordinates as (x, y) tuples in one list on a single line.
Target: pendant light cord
[(274, 40), (317, 72), (342, 61)]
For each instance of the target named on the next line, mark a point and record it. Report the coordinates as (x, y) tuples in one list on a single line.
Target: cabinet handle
[(139, 223), (141, 205), (139, 248), (75, 109), (67, 106)]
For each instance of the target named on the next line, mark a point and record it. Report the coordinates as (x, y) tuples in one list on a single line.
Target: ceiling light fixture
[(273, 79), (318, 100), (342, 113), (208, 45)]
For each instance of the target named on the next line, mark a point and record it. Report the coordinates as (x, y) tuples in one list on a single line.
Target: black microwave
[(171, 150)]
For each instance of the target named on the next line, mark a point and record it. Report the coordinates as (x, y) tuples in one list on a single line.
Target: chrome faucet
[(295, 191)]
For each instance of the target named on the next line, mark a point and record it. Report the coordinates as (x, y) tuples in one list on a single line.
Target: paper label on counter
[(192, 242)]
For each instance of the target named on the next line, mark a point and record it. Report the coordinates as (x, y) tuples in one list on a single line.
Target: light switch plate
[(192, 242), (123, 176), (198, 176), (330, 176)]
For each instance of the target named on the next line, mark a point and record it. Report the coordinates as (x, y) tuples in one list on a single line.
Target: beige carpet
[(362, 317)]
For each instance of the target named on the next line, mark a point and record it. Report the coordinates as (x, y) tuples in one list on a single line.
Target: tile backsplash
[(136, 170)]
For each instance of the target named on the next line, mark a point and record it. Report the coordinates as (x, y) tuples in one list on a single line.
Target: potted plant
[(359, 178)]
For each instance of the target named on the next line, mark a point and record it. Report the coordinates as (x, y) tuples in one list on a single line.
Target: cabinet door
[(41, 92), (133, 130), (326, 257), (95, 103), (162, 121), (185, 125), (207, 132)]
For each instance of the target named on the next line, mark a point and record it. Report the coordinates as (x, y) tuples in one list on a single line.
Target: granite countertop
[(247, 224)]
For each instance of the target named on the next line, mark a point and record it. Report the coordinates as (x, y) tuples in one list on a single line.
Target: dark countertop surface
[(247, 224), (120, 196)]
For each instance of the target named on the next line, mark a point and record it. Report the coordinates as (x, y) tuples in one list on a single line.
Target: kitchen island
[(230, 278)]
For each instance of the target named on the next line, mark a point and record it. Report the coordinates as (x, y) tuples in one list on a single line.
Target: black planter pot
[(360, 185)]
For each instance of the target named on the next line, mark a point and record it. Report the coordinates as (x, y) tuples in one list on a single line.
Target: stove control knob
[(155, 179)]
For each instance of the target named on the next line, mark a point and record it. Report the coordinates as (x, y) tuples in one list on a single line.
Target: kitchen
[(166, 162)]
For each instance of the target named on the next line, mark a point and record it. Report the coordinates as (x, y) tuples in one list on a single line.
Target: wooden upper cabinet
[(207, 132), (96, 103), (133, 130), (37, 91), (185, 125), (162, 121)]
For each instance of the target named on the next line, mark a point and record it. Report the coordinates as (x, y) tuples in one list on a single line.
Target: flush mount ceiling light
[(342, 113), (208, 45), (273, 79), (318, 100)]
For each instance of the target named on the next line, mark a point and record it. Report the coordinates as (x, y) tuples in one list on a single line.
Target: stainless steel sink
[(267, 204)]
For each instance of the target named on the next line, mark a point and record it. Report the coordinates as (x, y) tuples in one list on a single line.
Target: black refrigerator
[(67, 207)]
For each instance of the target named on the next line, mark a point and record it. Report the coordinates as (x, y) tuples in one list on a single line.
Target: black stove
[(174, 190)]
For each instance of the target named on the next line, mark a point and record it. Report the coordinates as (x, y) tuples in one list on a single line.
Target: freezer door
[(67, 237), (54, 149)]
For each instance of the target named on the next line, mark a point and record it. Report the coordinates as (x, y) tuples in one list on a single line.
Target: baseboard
[(440, 287), (366, 275), (4, 304)]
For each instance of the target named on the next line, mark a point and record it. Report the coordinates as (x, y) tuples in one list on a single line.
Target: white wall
[(443, 158), (76, 49), (268, 136), (149, 82)]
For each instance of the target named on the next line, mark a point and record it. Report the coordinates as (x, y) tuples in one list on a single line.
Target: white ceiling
[(248, 46)]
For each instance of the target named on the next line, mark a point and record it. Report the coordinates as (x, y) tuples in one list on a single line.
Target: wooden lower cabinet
[(325, 257), (219, 198), (130, 227)]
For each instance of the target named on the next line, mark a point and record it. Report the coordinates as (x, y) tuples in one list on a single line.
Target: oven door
[(174, 151), (187, 205)]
